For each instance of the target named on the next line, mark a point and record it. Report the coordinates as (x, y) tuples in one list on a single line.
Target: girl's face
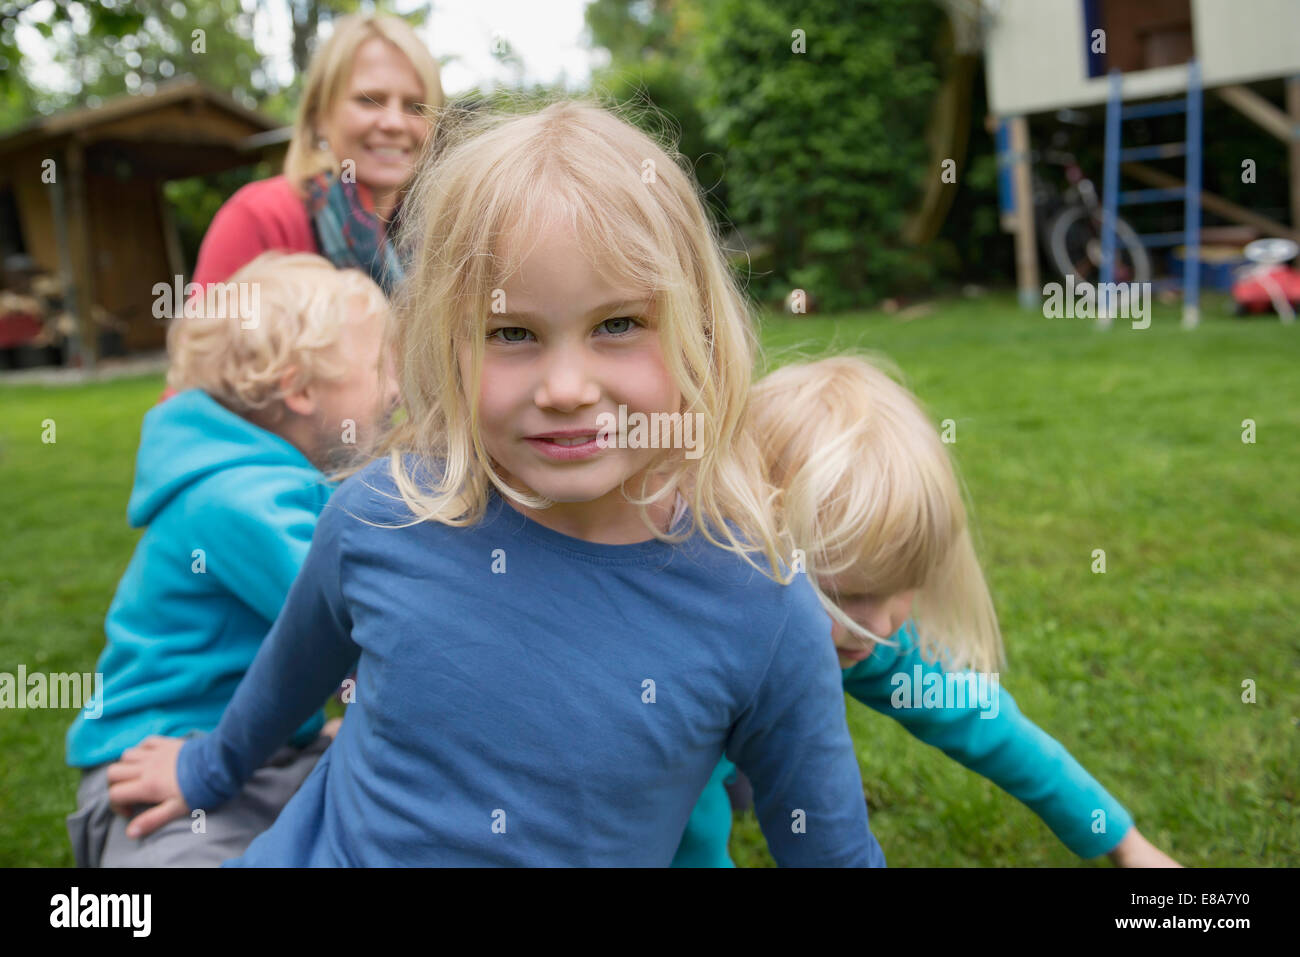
[(377, 123), (568, 348), (881, 615)]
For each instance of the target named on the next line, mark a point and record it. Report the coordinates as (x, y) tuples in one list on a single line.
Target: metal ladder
[(1189, 194)]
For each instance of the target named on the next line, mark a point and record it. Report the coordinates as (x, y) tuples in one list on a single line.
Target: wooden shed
[(81, 195)]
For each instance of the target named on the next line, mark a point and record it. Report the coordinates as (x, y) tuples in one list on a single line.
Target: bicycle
[(1069, 225)]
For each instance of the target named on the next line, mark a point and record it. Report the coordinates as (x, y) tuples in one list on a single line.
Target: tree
[(822, 106), (309, 15), (632, 30), (111, 47), (655, 68)]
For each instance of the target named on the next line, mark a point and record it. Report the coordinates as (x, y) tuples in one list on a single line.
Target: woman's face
[(377, 123)]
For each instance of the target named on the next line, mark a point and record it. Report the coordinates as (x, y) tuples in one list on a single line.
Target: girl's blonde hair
[(327, 81), (495, 176), (280, 313), (866, 485)]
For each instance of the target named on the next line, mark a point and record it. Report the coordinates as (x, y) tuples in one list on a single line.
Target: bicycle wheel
[(1075, 243)]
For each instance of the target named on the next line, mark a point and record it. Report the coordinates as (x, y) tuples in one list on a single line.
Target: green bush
[(663, 93), (825, 149)]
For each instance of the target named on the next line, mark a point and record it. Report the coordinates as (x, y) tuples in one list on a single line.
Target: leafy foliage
[(825, 148), (103, 49), (654, 69)]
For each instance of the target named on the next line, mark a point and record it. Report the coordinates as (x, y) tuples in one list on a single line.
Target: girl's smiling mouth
[(566, 445)]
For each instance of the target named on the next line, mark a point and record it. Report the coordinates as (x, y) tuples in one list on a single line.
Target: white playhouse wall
[(1036, 52)]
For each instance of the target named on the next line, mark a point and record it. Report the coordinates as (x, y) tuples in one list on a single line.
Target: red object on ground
[(1252, 293), (18, 328), (268, 214)]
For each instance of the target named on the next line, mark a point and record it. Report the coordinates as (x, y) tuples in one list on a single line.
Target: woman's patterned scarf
[(348, 232)]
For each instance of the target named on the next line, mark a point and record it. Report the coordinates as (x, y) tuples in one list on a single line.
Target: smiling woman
[(361, 124)]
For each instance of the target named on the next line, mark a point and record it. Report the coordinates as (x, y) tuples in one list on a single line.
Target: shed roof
[(183, 128)]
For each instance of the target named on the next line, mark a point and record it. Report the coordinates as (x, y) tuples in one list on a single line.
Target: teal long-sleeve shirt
[(987, 734)]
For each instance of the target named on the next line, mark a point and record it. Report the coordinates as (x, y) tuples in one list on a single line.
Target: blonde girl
[(868, 491), (559, 630)]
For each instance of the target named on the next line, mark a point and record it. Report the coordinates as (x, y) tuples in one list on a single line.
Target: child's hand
[(146, 774), (1136, 851), (331, 728)]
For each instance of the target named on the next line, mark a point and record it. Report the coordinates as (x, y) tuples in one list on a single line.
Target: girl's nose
[(880, 625), (566, 385)]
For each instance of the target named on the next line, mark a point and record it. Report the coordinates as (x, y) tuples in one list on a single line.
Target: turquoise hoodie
[(229, 509), (998, 742)]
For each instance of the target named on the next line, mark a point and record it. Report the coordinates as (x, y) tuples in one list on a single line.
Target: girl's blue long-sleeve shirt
[(527, 698), (990, 737)]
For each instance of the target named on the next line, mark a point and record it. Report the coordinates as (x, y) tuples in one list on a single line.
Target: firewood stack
[(32, 312)]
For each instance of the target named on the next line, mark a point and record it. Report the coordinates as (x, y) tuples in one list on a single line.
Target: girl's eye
[(510, 334), (619, 326)]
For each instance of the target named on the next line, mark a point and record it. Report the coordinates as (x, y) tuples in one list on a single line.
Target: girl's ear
[(300, 400)]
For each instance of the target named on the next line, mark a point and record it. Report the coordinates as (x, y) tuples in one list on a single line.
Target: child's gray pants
[(99, 836)]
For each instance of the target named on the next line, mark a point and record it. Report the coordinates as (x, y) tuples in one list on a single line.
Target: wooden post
[(1285, 126), (1293, 113), (63, 245), (171, 237), (78, 232), (1257, 109), (1211, 201), (1026, 241)]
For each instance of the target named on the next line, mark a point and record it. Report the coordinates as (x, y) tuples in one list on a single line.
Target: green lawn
[(1069, 439)]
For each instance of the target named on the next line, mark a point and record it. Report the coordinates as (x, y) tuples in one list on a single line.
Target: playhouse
[(1139, 60)]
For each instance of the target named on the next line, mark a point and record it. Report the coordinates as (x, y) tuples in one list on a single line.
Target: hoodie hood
[(188, 437)]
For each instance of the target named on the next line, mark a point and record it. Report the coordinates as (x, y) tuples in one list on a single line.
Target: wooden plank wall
[(128, 254)]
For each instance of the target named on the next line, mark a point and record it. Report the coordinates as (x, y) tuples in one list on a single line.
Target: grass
[(1069, 440)]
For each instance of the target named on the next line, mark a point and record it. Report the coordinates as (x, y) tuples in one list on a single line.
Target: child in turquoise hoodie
[(277, 371), (868, 489)]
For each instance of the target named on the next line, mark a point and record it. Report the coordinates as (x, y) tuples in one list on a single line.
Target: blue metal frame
[(1192, 209), (1006, 193), (1110, 182), (1190, 194)]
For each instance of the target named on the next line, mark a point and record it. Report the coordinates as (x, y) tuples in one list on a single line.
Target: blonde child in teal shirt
[(868, 490)]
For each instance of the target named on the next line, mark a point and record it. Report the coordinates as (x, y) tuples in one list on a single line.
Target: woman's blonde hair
[(280, 313), (327, 80), (639, 216), (866, 485)]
